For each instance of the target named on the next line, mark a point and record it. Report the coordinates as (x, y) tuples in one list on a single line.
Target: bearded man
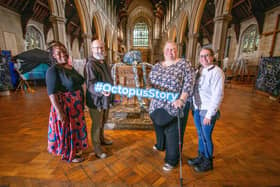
[(97, 70)]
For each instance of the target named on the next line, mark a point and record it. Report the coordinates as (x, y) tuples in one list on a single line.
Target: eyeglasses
[(97, 47), (205, 56)]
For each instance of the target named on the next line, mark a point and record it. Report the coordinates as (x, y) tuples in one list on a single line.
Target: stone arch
[(183, 27), (134, 16), (196, 18), (115, 47), (97, 23), (115, 41), (222, 7), (57, 9), (172, 34), (108, 36), (84, 16), (108, 43)]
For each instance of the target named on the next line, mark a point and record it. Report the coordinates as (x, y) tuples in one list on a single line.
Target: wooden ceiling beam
[(24, 6), (40, 2), (238, 3), (36, 8), (27, 15), (249, 5), (210, 21), (74, 24), (245, 11), (9, 2)]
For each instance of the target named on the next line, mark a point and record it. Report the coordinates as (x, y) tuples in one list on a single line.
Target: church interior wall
[(269, 26), (50, 36), (253, 57), (264, 42), (68, 44), (233, 44), (75, 49), (40, 28), (140, 10), (10, 31)]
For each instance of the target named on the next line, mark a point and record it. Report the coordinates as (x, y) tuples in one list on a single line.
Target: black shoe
[(205, 165), (106, 142), (195, 161)]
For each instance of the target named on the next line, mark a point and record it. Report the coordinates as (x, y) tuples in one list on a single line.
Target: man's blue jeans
[(205, 144)]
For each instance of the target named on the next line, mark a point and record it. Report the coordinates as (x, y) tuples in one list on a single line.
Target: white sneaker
[(155, 148), (167, 167), (102, 155)]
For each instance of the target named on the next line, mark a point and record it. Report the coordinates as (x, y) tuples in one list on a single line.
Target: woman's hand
[(206, 121), (106, 93), (61, 117), (178, 103)]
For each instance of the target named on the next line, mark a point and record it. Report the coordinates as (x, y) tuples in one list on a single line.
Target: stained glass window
[(33, 38), (140, 35), (250, 39)]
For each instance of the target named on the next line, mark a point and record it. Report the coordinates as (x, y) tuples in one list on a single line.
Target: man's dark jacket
[(95, 71)]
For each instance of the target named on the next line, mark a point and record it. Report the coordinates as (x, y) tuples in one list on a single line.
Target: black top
[(59, 79)]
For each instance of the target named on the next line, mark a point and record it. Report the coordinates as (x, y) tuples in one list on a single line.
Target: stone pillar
[(59, 29), (180, 48), (192, 45), (220, 34), (87, 45), (159, 14), (109, 56), (157, 51), (123, 17)]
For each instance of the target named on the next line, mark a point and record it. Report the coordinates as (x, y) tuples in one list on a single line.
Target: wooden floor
[(247, 151)]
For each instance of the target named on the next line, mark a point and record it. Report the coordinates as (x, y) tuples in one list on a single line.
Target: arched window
[(140, 35), (250, 39), (33, 38)]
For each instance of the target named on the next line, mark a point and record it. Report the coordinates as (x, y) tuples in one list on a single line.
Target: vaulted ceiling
[(125, 3), (38, 10), (241, 11)]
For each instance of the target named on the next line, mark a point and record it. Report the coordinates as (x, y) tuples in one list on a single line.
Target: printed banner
[(268, 79), (130, 92)]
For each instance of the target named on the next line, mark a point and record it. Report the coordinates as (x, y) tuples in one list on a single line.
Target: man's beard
[(98, 56)]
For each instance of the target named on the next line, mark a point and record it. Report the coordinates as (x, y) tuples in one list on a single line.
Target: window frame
[(138, 40)]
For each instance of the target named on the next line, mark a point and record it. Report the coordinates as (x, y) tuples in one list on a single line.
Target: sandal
[(79, 153), (77, 160)]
